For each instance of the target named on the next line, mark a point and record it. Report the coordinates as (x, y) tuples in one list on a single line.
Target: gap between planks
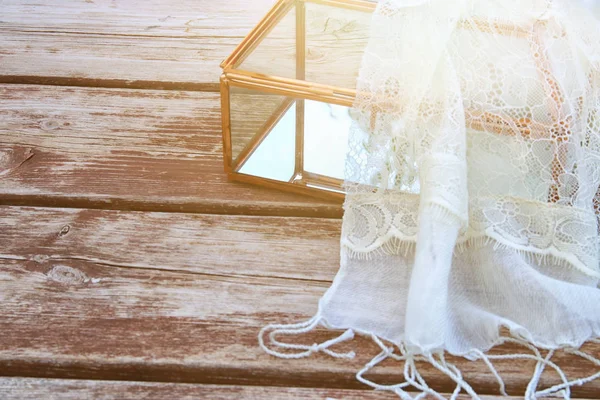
[(109, 83)]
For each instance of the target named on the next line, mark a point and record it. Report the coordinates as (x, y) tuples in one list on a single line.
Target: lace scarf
[(472, 182)]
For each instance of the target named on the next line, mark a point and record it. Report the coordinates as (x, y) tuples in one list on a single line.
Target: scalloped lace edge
[(393, 243)]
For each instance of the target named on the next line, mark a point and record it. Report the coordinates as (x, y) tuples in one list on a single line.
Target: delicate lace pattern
[(372, 221), (487, 109)]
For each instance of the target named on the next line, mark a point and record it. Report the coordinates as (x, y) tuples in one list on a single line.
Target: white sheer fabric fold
[(472, 182)]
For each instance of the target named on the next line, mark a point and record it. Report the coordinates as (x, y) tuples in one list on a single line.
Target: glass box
[(286, 94)]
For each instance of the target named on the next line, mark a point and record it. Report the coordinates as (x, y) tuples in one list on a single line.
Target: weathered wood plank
[(215, 245), (64, 389), (178, 313), (157, 44), (22, 389), (125, 149), (133, 43)]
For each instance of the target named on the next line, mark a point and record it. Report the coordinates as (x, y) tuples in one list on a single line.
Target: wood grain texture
[(126, 149), (335, 42), (64, 389), (217, 245), (132, 43), (168, 46), (172, 297), (85, 298)]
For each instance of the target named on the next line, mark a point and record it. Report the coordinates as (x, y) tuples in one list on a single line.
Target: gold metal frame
[(300, 105), (297, 90)]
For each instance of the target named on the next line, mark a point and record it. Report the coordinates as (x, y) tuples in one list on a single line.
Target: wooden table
[(129, 266)]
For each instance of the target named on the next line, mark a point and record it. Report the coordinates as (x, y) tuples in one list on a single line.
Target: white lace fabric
[(375, 223), (488, 109), (472, 182)]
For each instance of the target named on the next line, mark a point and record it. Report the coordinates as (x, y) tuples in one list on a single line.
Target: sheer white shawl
[(472, 184)]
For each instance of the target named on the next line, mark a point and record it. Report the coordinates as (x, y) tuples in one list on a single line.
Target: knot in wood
[(49, 125), (65, 229), (67, 275), (40, 258), (314, 54)]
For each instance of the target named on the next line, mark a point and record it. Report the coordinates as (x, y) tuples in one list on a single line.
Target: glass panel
[(265, 140), (336, 38), (326, 138), (276, 52), (250, 112), (274, 158)]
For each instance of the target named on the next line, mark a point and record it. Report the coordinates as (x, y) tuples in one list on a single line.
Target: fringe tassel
[(296, 329), (412, 377)]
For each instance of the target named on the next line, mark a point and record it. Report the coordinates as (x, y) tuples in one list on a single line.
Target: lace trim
[(389, 224)]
